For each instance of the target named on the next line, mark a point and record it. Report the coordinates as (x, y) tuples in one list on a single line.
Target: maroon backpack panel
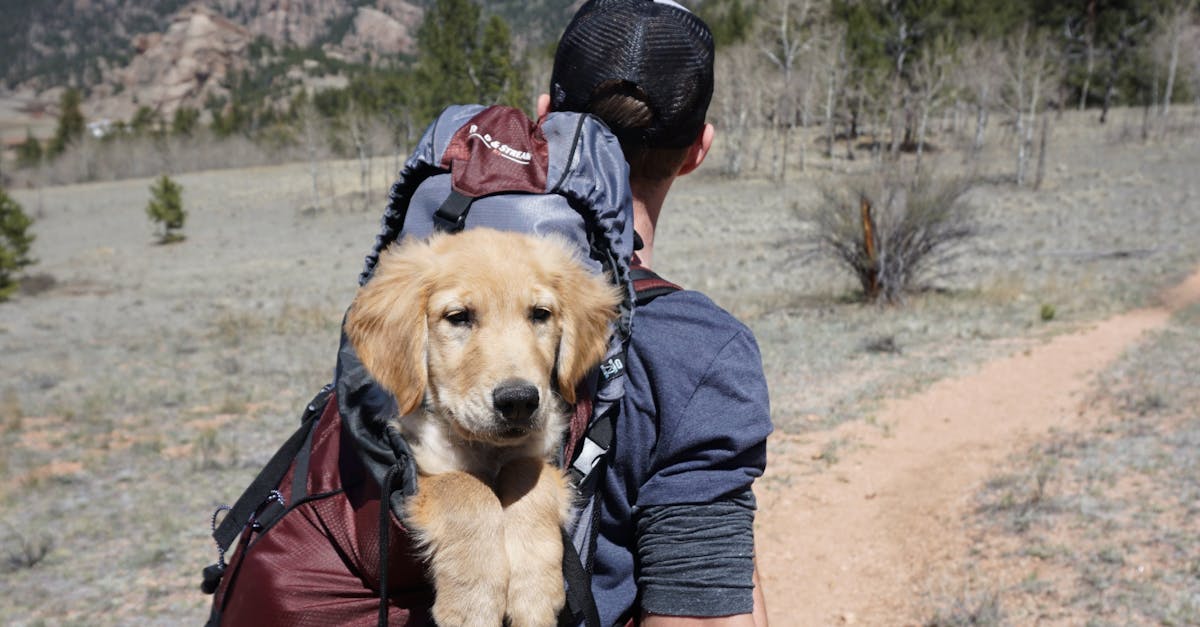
[(318, 564)]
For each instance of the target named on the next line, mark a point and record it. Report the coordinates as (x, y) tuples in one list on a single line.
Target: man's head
[(645, 67)]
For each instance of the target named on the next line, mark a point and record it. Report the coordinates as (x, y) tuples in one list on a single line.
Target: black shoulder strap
[(270, 476), (581, 605), (598, 437), (647, 285)]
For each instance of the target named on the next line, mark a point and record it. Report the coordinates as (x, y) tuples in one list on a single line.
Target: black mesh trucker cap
[(655, 47)]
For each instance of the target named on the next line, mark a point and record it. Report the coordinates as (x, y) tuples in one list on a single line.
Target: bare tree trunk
[(829, 124), (1034, 102), (782, 53), (740, 128), (1173, 64), (1041, 160), (1090, 52), (1021, 66), (805, 118), (894, 118), (1110, 87), (1146, 106), (981, 120), (852, 129), (921, 136), (1090, 67), (1021, 156), (308, 129), (358, 134)]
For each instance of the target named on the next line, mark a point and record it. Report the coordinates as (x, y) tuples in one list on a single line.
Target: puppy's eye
[(540, 314), (459, 317)]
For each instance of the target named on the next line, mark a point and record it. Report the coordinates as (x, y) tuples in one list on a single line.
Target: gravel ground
[(151, 382)]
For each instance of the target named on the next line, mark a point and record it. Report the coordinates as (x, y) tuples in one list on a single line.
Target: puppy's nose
[(516, 400)]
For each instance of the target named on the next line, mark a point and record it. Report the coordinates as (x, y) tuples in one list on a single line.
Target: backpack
[(315, 542)]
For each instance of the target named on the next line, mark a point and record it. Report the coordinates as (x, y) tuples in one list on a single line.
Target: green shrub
[(1048, 312), (166, 209), (29, 152), (15, 239)]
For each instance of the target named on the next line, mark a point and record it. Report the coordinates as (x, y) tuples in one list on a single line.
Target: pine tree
[(15, 239), (166, 209), (447, 42), (731, 21), (70, 122), (499, 77), (185, 121), (463, 59), (29, 152)]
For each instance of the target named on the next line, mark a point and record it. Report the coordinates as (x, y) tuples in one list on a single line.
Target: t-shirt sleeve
[(712, 443)]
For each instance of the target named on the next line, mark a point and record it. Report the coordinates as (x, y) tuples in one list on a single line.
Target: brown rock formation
[(180, 67)]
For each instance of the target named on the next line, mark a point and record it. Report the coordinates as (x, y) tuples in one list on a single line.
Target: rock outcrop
[(180, 67), (207, 43)]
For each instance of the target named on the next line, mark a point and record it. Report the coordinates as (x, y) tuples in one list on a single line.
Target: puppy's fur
[(482, 337)]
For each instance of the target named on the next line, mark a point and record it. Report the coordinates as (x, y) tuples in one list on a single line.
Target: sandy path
[(856, 544)]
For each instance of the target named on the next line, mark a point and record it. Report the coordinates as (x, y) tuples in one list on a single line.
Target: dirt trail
[(856, 544)]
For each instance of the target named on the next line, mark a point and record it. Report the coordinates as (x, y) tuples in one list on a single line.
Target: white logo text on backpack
[(504, 150)]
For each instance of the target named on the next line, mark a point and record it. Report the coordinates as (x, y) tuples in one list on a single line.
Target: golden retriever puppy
[(482, 337)]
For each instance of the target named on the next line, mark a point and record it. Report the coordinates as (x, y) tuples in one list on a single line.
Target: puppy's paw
[(535, 599), (469, 608), (533, 494), (460, 524)]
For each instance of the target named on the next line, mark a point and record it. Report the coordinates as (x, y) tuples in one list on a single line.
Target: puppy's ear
[(589, 304), (387, 325)]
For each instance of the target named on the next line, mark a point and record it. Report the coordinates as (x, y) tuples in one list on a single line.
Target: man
[(676, 539)]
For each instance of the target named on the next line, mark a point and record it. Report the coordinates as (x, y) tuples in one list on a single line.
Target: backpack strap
[(598, 436), (647, 285), (262, 491)]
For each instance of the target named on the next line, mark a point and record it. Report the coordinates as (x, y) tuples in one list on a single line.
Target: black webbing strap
[(581, 605), (452, 215), (647, 285), (598, 437), (300, 474), (269, 477)]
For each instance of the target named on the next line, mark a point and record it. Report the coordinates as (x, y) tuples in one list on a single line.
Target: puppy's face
[(488, 329)]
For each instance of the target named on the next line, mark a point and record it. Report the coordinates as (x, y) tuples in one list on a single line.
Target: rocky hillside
[(55, 42), (165, 54)]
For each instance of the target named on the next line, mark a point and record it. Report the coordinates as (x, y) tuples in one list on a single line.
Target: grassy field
[(148, 383)]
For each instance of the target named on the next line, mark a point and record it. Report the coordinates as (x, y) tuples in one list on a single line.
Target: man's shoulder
[(687, 322)]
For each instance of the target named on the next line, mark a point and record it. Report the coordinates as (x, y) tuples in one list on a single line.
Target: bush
[(166, 209), (23, 551), (29, 152), (15, 239), (894, 234)]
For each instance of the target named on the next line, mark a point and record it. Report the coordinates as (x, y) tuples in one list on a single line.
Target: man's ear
[(698, 150), (543, 105), (387, 324)]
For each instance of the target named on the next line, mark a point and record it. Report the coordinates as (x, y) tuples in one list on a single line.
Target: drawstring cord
[(385, 522)]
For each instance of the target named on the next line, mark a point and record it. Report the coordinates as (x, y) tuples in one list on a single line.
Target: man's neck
[(648, 198)]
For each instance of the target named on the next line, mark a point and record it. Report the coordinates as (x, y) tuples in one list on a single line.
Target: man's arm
[(757, 619), (694, 520)]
